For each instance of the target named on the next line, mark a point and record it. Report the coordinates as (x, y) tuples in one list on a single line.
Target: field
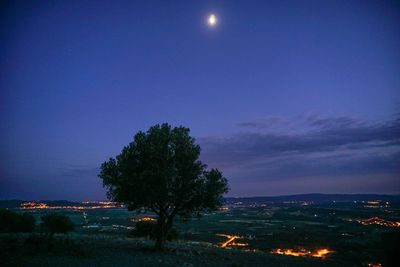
[(288, 233)]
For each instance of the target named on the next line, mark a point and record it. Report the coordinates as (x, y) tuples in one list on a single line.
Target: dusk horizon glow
[(284, 97)]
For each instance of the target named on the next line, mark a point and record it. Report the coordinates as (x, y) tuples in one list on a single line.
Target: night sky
[(284, 97)]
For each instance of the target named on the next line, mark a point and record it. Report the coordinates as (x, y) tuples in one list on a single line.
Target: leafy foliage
[(161, 170), (57, 223), (12, 222)]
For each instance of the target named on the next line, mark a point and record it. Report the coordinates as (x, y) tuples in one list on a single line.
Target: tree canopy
[(160, 170)]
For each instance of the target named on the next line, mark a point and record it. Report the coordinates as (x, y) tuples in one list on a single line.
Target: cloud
[(324, 147), (331, 123), (272, 156), (264, 123)]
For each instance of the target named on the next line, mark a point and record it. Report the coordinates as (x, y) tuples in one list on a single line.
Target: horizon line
[(265, 196)]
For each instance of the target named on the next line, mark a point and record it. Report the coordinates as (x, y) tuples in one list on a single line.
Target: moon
[(212, 20)]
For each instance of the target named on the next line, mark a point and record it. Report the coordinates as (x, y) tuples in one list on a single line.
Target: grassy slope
[(81, 250)]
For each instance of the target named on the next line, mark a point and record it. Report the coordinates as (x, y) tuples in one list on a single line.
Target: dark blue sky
[(284, 96)]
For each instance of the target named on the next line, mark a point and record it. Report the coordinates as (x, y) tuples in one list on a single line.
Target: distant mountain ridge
[(320, 198)]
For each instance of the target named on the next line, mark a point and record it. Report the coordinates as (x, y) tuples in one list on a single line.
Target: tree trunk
[(160, 232), (160, 243), (164, 225)]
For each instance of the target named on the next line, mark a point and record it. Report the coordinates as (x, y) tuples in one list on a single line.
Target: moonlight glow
[(212, 20)]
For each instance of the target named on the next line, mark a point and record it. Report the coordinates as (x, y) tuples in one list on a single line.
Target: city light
[(96, 205), (319, 253), (143, 219), (230, 242), (378, 221)]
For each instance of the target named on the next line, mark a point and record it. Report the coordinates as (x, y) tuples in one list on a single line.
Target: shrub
[(12, 222), (149, 230), (144, 229), (6, 220), (56, 223), (24, 223)]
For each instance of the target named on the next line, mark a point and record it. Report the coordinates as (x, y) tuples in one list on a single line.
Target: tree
[(56, 223), (160, 170)]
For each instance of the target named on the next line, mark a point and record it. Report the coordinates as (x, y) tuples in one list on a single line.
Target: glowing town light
[(230, 241), (319, 253), (144, 219), (378, 221)]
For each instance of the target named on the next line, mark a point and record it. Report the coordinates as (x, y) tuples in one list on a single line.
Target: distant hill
[(317, 198), (320, 198), (10, 204)]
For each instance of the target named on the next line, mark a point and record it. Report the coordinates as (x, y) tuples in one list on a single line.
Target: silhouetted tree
[(56, 223), (161, 170), (12, 222)]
